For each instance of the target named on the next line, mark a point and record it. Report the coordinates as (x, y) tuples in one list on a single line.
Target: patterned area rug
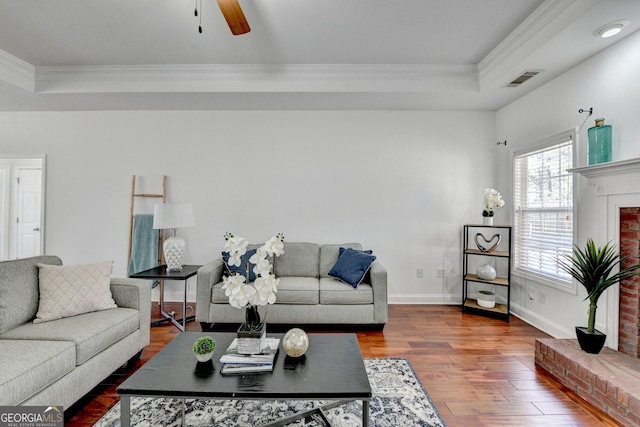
[(399, 399)]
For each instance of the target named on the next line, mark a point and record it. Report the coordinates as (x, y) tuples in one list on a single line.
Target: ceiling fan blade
[(235, 17)]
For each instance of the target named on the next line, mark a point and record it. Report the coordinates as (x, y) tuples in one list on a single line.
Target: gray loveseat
[(306, 294), (59, 361)]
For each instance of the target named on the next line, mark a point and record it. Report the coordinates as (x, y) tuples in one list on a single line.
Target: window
[(544, 217)]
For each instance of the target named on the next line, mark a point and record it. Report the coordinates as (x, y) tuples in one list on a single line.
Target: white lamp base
[(173, 248)]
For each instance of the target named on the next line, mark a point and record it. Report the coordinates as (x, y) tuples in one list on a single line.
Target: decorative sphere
[(295, 342)]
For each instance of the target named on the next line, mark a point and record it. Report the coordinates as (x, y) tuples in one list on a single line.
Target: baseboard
[(172, 296), (174, 290), (539, 322), (447, 299)]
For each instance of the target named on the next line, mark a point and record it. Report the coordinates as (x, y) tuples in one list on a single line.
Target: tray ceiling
[(300, 54)]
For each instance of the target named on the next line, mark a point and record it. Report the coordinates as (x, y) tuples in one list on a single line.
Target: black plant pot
[(591, 342)]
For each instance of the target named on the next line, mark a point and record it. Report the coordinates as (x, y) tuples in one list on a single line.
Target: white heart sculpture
[(488, 242)]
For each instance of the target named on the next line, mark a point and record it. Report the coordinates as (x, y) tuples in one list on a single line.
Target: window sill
[(569, 288)]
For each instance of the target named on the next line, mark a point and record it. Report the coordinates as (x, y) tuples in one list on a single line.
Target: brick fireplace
[(612, 198), (610, 381), (629, 317)]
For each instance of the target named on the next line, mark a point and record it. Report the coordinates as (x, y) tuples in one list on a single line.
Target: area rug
[(399, 399)]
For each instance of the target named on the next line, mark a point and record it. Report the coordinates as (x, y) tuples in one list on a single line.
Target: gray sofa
[(57, 362), (306, 294)]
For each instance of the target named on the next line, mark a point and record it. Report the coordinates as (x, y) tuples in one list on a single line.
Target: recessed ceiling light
[(611, 29)]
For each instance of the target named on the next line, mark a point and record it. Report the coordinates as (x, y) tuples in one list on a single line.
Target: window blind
[(543, 197)]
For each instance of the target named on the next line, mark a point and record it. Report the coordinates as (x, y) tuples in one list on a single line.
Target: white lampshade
[(173, 215)]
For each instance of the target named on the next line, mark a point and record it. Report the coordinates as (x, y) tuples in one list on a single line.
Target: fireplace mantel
[(609, 168)]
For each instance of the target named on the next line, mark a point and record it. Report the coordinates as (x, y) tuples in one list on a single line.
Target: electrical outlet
[(419, 273), (542, 297), (532, 294), (440, 272)]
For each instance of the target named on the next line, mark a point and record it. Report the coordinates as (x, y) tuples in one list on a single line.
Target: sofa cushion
[(91, 332), (27, 367), (68, 290), (19, 290), (329, 255), (298, 290), (299, 259), (335, 292), (352, 266)]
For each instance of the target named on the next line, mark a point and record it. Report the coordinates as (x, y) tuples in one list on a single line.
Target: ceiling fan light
[(611, 29)]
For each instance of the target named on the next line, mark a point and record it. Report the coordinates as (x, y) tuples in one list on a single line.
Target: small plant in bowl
[(203, 348)]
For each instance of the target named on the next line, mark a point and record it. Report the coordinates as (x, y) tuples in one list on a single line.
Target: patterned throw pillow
[(68, 290)]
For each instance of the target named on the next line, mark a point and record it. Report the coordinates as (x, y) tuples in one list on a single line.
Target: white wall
[(609, 83), (402, 183)]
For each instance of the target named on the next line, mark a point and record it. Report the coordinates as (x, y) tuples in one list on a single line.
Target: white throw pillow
[(68, 290)]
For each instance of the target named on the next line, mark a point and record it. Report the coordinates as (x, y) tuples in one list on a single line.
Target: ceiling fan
[(234, 16), (232, 12)]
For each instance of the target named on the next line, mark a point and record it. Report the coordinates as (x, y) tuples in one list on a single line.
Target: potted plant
[(593, 268), (245, 292), (203, 348), (492, 199)]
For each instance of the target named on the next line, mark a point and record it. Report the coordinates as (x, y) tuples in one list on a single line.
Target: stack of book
[(234, 363)]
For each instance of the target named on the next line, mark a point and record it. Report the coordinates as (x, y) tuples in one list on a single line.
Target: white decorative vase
[(486, 272), (486, 299), (487, 220)]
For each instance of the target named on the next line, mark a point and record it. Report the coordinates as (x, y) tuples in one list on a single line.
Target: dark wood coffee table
[(332, 369)]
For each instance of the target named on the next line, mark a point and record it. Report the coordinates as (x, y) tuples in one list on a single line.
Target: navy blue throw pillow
[(352, 265), (243, 264)]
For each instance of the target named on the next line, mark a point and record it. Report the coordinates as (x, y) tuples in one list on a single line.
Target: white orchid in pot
[(247, 290), (492, 200)]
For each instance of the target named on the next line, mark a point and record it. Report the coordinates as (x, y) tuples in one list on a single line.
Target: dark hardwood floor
[(478, 371)]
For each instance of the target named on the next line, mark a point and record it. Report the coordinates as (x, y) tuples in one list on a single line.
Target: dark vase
[(251, 318), (591, 342)]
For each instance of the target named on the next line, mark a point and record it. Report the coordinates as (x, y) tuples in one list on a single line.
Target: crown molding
[(257, 78), (545, 15), (16, 71)]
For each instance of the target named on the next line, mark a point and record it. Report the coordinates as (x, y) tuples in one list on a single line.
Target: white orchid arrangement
[(492, 199), (241, 293)]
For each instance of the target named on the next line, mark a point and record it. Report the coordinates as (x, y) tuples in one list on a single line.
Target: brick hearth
[(610, 380)]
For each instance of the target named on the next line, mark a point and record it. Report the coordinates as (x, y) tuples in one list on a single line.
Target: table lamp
[(172, 216)]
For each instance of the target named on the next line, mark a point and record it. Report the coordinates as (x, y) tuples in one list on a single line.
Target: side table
[(161, 273)]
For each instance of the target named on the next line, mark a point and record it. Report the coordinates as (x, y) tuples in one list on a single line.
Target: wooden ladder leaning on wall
[(135, 195)]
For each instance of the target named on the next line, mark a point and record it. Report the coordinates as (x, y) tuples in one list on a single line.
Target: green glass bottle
[(599, 150)]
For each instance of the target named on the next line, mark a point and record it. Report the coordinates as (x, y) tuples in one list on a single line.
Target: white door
[(29, 212)]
